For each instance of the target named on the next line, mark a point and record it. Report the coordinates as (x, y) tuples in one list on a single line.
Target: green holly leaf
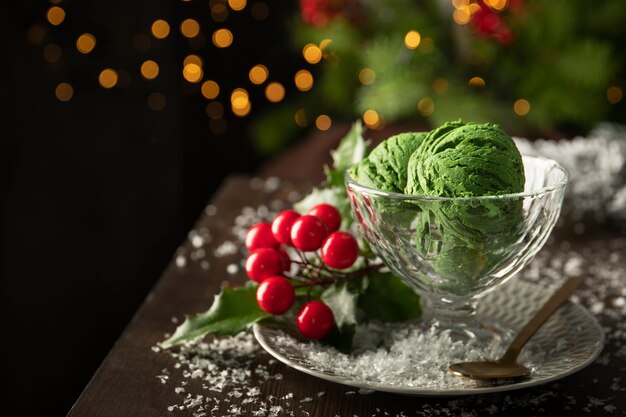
[(342, 302), (232, 311), (351, 150), (335, 196), (387, 298)]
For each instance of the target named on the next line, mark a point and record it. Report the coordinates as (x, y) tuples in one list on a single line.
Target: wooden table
[(137, 379)]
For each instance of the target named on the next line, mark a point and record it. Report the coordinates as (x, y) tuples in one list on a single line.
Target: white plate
[(572, 337)]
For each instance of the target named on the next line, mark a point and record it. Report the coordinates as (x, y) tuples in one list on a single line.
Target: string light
[(160, 29), (215, 110), (275, 92), (301, 118), (412, 39), (476, 82), (521, 107), (324, 43), (371, 119), (52, 52), (367, 76), (222, 38), (108, 78), (312, 53), (192, 72), (260, 11), (614, 94), (190, 28), (192, 59), (237, 5), (440, 85), (304, 80), (323, 122), (64, 92), (239, 100), (156, 101), (462, 15), (149, 70), (426, 106), (55, 15), (258, 74), (210, 89), (497, 5), (85, 43)]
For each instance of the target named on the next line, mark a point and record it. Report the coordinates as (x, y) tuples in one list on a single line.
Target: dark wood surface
[(130, 380)]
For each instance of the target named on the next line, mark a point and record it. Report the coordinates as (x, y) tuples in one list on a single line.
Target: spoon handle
[(554, 302)]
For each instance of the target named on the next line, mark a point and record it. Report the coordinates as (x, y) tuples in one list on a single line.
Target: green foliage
[(232, 311), (387, 298), (563, 56)]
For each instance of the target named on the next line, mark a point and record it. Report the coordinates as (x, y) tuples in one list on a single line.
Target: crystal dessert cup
[(454, 250)]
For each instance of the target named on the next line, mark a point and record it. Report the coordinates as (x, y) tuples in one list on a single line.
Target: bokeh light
[(192, 59), (190, 28), (156, 101), (304, 80), (219, 12), (312, 53), (215, 110), (239, 99), (237, 5), (222, 38), (275, 92), (323, 122), (260, 11), (149, 69), (521, 107), (440, 85), (258, 74), (301, 118), (64, 92), (108, 78), (426, 106), (85, 43), (367, 76), (160, 29), (614, 94), (210, 89), (52, 52), (497, 5), (371, 119), (55, 15), (412, 39), (462, 15), (192, 72), (476, 82)]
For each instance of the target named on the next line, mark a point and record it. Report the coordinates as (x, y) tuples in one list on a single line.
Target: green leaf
[(340, 339), (335, 196), (232, 311), (351, 149), (389, 299), (342, 302)]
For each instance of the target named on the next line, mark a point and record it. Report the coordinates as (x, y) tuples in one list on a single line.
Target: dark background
[(98, 192)]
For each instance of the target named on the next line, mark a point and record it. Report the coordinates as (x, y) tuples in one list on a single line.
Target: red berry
[(315, 320), (328, 214), (308, 233), (281, 226), (286, 259), (340, 250), (260, 236), (275, 295), (263, 263)]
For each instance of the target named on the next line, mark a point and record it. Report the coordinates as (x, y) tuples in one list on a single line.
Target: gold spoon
[(507, 366)]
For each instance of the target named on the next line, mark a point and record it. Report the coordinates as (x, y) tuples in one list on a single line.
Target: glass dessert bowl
[(454, 250)]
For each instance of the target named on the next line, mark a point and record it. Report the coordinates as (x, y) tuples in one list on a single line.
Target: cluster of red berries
[(269, 264)]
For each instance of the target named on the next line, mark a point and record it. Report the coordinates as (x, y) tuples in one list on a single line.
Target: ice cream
[(465, 160), (385, 168)]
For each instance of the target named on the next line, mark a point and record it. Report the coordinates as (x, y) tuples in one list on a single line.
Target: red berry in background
[(328, 214), (281, 225), (315, 320), (308, 233), (263, 263), (286, 259), (275, 295), (260, 236), (340, 250)]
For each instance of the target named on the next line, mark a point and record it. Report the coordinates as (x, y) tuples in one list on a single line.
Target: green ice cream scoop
[(385, 168), (465, 160)]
